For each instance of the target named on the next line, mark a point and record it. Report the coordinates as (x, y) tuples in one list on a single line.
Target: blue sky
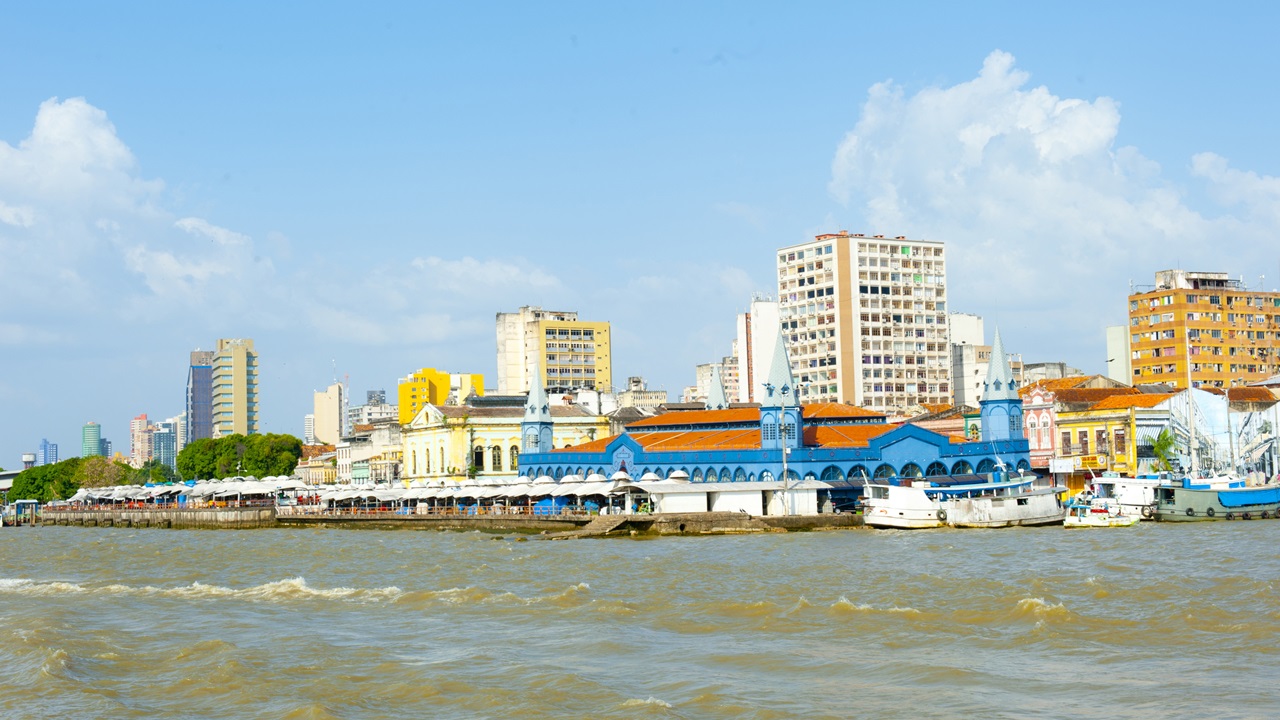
[(366, 185)]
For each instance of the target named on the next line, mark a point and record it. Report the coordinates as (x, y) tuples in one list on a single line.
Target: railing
[(391, 512), (135, 505)]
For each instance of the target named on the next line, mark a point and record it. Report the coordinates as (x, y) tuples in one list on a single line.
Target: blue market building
[(839, 444)]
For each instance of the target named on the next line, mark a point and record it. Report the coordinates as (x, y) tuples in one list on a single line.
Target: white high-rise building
[(330, 409), (865, 320), (754, 348)]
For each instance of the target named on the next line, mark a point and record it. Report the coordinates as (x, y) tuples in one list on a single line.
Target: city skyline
[(342, 188)]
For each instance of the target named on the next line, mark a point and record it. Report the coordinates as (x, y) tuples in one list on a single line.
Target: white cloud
[(22, 217), (1046, 221), (201, 227)]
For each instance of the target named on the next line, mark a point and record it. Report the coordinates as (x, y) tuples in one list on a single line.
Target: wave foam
[(652, 701), (291, 589)]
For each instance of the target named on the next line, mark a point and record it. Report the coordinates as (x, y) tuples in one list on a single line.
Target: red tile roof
[(844, 435), (700, 417), (836, 410)]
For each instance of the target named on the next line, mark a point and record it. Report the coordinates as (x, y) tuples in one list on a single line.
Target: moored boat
[(1085, 513), (919, 503), (1195, 500)]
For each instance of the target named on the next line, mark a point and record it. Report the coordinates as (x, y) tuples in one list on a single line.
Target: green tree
[(257, 455), (47, 482), (1164, 448), (98, 471), (154, 471)]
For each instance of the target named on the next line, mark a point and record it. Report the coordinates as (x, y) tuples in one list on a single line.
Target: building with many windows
[(91, 440), (1229, 333), (865, 319), (234, 388), (571, 353), (47, 454), (200, 396)]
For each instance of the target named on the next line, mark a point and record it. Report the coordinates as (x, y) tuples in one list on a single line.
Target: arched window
[(559, 473), (884, 472), (477, 458), (810, 476), (515, 457), (911, 470), (1033, 434), (697, 475), (1023, 465), (711, 475), (740, 475), (935, 469), (832, 474), (986, 466), (766, 476), (858, 474), (962, 468), (725, 475), (791, 476), (413, 467), (496, 452)]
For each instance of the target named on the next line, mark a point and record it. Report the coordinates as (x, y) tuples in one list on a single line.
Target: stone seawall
[(486, 523), (205, 518)]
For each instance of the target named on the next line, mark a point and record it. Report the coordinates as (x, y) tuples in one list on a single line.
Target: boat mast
[(1191, 403)]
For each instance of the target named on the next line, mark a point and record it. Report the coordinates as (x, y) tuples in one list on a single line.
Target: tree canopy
[(46, 482), (257, 455)]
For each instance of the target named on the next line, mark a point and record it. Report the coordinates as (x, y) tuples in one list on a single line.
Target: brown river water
[(1152, 621)]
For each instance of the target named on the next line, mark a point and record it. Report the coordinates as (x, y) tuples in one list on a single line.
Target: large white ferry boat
[(1131, 496), (998, 502)]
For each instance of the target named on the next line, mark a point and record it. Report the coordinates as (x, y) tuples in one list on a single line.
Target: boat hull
[(1182, 504)]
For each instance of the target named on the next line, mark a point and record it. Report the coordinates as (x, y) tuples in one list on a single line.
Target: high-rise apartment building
[(375, 409), (570, 353), (1230, 334), (308, 429), (164, 442), (139, 440), (91, 440), (48, 453), (200, 396), (235, 387), (329, 413), (865, 319)]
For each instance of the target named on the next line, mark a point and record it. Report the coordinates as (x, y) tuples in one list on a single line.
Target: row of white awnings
[(216, 489)]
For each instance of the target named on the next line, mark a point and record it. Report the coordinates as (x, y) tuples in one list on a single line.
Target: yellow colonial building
[(482, 440), (1114, 434)]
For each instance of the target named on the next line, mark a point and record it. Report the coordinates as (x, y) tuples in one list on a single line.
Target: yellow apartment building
[(570, 353), (1229, 333), (429, 385)]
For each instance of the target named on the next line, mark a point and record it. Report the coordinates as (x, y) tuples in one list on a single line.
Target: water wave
[(648, 702), (280, 590)]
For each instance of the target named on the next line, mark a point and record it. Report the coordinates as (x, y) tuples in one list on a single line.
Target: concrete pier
[(204, 518), (555, 526)]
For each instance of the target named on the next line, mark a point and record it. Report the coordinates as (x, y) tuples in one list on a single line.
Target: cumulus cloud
[(1046, 220)]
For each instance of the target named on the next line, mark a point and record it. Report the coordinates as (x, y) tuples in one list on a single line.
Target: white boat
[(1086, 512), (1126, 495), (919, 503)]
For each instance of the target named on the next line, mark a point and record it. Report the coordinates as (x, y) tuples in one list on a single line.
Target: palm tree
[(1163, 448)]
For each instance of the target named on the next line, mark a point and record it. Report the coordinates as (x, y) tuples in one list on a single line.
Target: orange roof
[(593, 446), (1054, 384), (1070, 395), (934, 409), (844, 435), (1141, 400), (1251, 394), (700, 417), (836, 410)]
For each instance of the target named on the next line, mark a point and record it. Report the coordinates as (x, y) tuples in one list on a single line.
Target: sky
[(360, 188)]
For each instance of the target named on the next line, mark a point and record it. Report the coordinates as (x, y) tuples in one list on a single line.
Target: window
[(1083, 435)]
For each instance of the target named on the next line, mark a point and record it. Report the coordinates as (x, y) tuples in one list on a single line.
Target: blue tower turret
[(536, 428), (780, 418), (1000, 407)]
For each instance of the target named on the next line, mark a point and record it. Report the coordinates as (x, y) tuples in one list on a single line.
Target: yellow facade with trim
[(429, 385)]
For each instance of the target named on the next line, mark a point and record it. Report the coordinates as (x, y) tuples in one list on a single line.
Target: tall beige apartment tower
[(569, 352), (235, 387), (865, 320), (330, 407)]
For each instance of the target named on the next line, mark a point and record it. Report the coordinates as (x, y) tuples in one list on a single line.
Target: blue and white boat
[(1194, 500), (1001, 501)]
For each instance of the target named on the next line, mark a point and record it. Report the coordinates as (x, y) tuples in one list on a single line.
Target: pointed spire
[(537, 408), (1000, 384), (780, 387), (716, 398)]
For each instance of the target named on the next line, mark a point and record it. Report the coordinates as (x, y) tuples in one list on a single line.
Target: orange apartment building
[(1231, 333)]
